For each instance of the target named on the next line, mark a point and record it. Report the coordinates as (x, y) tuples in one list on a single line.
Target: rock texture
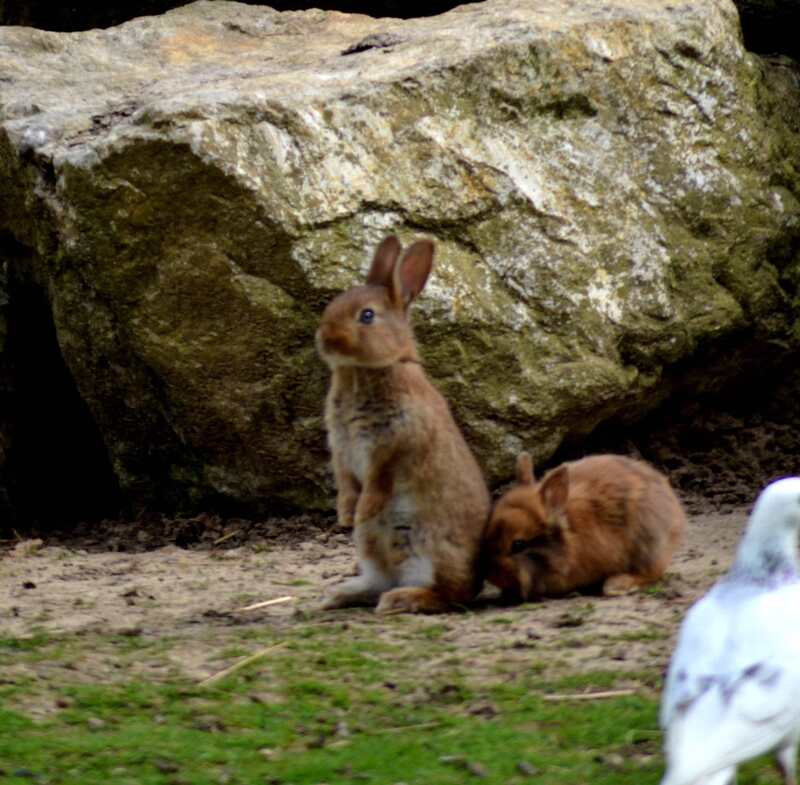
[(769, 26), (613, 190), (67, 17)]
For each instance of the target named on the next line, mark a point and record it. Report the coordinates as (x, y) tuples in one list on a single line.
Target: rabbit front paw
[(619, 585), (369, 506), (346, 510)]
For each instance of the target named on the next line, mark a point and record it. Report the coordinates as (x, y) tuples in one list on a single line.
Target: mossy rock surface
[(613, 191)]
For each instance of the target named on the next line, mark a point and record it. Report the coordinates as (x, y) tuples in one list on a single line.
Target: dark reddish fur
[(603, 519)]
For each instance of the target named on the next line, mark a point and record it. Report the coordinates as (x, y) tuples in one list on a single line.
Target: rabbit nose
[(325, 333), (330, 337)]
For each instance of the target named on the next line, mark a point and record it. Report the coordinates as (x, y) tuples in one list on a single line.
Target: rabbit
[(406, 479), (604, 519)]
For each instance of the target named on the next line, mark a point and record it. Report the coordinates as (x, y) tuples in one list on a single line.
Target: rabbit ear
[(380, 271), (525, 469), (411, 272), (553, 492)]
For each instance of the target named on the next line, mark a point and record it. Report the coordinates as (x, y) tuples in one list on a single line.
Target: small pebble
[(342, 729), (487, 710), (613, 759), (208, 723), (477, 770), (316, 743), (523, 767)]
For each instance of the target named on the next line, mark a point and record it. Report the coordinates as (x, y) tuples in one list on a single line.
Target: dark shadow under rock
[(55, 467), (771, 26), (718, 450)]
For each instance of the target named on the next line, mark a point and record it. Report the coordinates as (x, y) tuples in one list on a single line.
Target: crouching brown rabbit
[(605, 519), (406, 480)]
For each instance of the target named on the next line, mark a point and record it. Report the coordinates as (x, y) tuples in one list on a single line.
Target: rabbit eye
[(367, 316), (538, 542)]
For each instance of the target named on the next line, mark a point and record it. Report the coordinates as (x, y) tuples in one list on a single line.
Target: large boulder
[(613, 190)]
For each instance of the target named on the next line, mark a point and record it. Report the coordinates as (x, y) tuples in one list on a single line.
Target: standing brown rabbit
[(603, 519), (406, 479)]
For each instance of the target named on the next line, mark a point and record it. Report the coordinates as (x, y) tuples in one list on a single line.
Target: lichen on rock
[(613, 192)]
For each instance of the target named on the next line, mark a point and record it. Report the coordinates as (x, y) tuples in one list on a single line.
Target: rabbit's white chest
[(403, 507), (360, 454), (361, 439)]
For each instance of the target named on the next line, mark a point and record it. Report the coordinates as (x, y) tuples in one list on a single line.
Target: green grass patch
[(36, 640), (334, 705), (642, 634), (322, 731)]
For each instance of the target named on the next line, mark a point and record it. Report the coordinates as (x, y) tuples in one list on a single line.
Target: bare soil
[(190, 595), (160, 598)]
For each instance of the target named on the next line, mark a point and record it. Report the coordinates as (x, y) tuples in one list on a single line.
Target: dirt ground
[(184, 578), (191, 595)]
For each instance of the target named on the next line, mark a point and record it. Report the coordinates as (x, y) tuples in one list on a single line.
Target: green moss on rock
[(614, 193)]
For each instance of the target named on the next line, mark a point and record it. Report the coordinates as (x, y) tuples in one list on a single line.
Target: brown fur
[(405, 477), (603, 519)]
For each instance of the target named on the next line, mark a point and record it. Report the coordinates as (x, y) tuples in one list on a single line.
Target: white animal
[(733, 686)]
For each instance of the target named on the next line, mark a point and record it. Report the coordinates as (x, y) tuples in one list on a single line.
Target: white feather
[(733, 686)]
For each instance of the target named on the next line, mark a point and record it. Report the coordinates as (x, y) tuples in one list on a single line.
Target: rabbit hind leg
[(364, 589), (412, 599)]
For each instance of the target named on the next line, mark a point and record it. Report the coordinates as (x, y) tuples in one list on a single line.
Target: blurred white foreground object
[(733, 686)]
